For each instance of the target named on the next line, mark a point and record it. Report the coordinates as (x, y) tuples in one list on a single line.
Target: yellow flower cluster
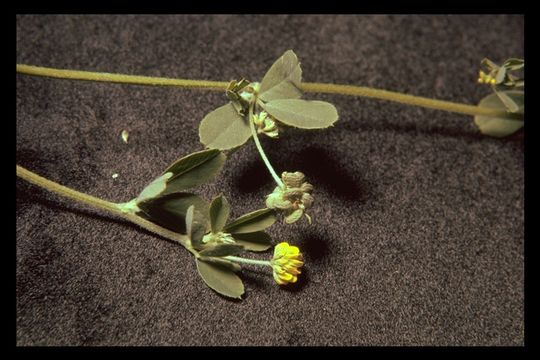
[(286, 263), (484, 78)]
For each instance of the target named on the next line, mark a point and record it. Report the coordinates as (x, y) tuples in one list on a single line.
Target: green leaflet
[(195, 226), (194, 169), (500, 126), (501, 75), (224, 128), (170, 210), (507, 101), (252, 222), (283, 80), (155, 188), (219, 250), (256, 241), (302, 113), (187, 172), (219, 213), (514, 64), (489, 64), (220, 278)]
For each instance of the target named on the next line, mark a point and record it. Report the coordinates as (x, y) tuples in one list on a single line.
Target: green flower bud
[(293, 199), (294, 179), (265, 124), (307, 200), (219, 238), (306, 187), (294, 216), (276, 201)]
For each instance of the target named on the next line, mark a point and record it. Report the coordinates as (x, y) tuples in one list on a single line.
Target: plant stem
[(407, 99), (307, 87), (110, 207), (261, 151), (248, 261), (119, 78)]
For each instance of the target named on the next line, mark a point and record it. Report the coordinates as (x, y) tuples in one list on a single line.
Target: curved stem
[(307, 87), (259, 147), (248, 261), (110, 207)]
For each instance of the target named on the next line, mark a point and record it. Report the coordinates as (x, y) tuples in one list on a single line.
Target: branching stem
[(110, 207), (307, 87)]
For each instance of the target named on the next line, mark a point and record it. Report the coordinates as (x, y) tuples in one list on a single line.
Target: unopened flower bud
[(265, 124), (294, 179), (218, 238), (293, 198)]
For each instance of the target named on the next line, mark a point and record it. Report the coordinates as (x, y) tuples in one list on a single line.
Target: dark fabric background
[(418, 233)]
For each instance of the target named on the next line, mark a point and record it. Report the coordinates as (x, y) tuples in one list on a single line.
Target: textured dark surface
[(418, 234)]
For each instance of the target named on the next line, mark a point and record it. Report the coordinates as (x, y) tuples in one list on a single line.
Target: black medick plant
[(167, 206)]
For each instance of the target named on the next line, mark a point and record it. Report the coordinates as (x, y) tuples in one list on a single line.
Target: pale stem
[(248, 261), (110, 207), (361, 91), (261, 151)]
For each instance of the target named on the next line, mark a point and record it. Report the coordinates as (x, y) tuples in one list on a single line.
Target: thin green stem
[(261, 151), (307, 87), (110, 207), (119, 78), (248, 261), (408, 99)]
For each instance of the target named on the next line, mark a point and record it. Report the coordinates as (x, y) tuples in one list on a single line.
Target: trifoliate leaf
[(255, 241), (254, 221), (222, 250), (503, 125), (219, 213), (170, 210), (303, 114), (224, 128), (195, 227), (194, 169), (283, 80), (220, 278)]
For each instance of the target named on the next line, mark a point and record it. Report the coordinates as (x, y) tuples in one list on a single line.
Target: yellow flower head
[(484, 78), (286, 263)]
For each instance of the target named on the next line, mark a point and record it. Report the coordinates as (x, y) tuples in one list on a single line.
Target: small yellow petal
[(296, 263), (285, 276), (293, 250), (292, 270), (280, 249), (278, 280)]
